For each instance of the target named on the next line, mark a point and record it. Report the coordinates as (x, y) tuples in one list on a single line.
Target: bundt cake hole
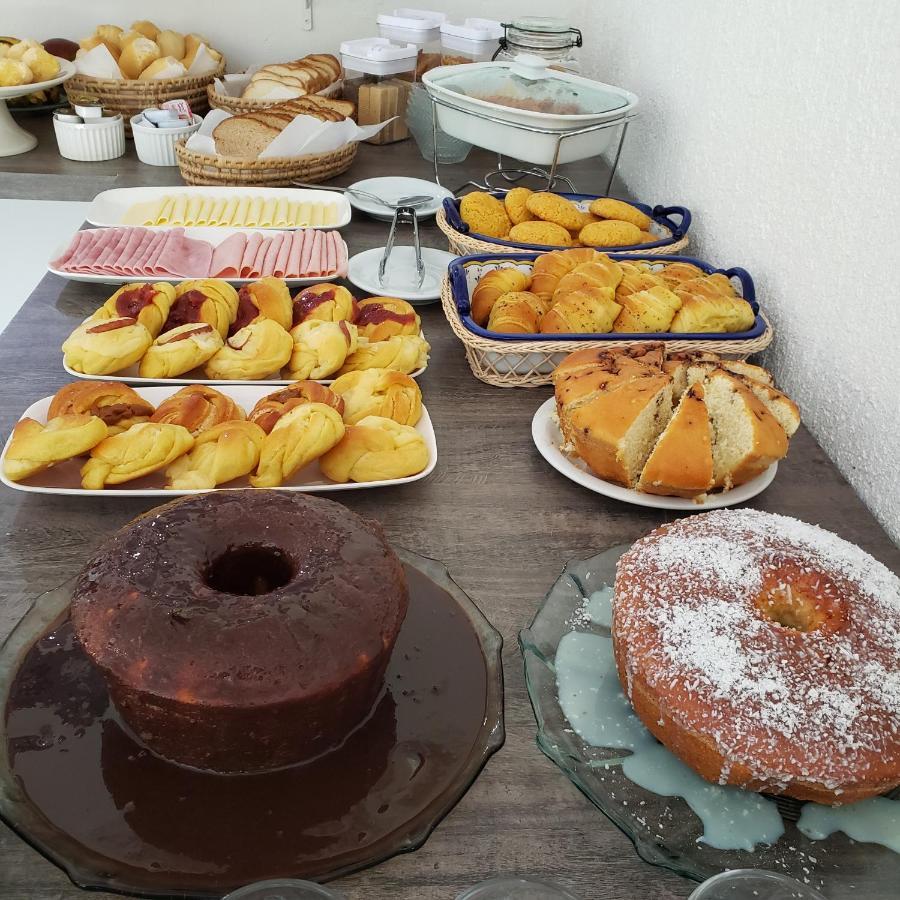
[(250, 570), (790, 607)]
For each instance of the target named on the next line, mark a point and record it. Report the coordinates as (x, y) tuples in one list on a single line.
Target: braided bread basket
[(130, 96), (530, 361)]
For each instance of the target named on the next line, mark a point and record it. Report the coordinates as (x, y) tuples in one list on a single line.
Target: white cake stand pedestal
[(13, 139)]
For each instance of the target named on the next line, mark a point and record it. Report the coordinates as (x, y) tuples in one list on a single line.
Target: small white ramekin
[(103, 139), (156, 146)]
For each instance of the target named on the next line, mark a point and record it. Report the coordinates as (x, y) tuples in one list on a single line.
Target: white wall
[(247, 31), (777, 124)]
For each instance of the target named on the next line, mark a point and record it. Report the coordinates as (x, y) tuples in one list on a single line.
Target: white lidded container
[(156, 146), (476, 40), (421, 27), (371, 60), (521, 108), (99, 138)]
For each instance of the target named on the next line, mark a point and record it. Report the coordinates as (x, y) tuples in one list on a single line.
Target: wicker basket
[(236, 105), (201, 168), (530, 362), (465, 245), (131, 96)]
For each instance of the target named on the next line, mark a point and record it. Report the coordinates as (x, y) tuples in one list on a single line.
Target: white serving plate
[(400, 276), (391, 188), (63, 478), (110, 207), (214, 235), (547, 439)]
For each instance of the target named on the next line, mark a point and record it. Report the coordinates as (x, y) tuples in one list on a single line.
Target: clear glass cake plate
[(664, 830)]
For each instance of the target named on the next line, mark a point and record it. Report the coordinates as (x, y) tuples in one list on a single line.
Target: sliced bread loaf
[(243, 137)]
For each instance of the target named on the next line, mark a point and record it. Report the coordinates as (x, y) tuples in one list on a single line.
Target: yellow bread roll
[(129, 36), (517, 313), (43, 65), (171, 43), (494, 285), (148, 303), (268, 298), (675, 273), (144, 448), (515, 201), (105, 347), (712, 314), (610, 233), (376, 449), (484, 214), (272, 407), (379, 392), (118, 405), (545, 234), (147, 29), (604, 272), (320, 348), (550, 267), (197, 407), (300, 436), (607, 208), (647, 311), (590, 310), (210, 300), (556, 209), (225, 452), (328, 302), (35, 447), (13, 72), (179, 350), (402, 352), (137, 56), (634, 279), (20, 48), (89, 43), (110, 34), (378, 318), (256, 351), (164, 67)]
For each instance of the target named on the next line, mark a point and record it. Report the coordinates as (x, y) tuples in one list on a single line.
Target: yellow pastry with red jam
[(117, 404), (180, 349), (255, 352), (379, 318), (329, 302), (106, 346), (204, 301), (268, 298), (148, 303)]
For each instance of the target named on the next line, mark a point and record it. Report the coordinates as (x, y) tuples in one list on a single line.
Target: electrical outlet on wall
[(306, 20)]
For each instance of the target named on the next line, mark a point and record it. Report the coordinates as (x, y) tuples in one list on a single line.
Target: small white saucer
[(391, 189), (400, 277)]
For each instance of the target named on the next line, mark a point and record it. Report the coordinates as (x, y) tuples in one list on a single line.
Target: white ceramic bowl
[(156, 146), (91, 143)]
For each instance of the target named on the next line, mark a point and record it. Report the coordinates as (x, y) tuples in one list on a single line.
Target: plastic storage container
[(156, 146), (91, 141), (421, 27), (476, 40), (553, 39), (377, 78)]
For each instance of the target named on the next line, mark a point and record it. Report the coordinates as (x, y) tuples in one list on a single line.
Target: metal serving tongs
[(414, 200), (405, 215)]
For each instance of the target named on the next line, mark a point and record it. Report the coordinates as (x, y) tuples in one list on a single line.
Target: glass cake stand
[(664, 830), (83, 791)]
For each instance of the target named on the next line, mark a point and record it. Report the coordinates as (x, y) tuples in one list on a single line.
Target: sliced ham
[(131, 265), (330, 254), (89, 251), (343, 256), (284, 252), (184, 256), (256, 269), (129, 250), (250, 251), (305, 254), (228, 256), (154, 248), (268, 263), (68, 253), (113, 249), (292, 267)]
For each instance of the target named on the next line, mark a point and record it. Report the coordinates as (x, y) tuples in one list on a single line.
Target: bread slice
[(268, 89), (681, 463), (747, 438), (243, 137), (780, 405)]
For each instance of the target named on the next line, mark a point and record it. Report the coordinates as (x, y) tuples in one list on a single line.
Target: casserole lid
[(528, 84)]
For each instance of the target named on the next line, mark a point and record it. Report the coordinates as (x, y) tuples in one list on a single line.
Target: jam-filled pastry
[(402, 352), (299, 436), (320, 348), (376, 449), (144, 448), (227, 451), (328, 302), (268, 298), (379, 392), (203, 301), (254, 353), (106, 346), (179, 350), (35, 447), (197, 407), (117, 404), (273, 406), (148, 303), (379, 318)]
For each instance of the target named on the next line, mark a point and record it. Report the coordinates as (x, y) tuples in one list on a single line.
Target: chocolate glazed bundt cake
[(240, 631)]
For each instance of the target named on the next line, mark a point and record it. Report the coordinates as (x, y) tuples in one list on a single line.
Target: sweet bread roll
[(402, 353), (379, 318), (171, 43), (273, 406), (301, 435), (35, 447), (118, 405), (610, 233), (130, 36), (179, 350), (104, 347), (148, 303), (587, 311), (556, 209), (328, 302), (515, 204), (197, 408), (550, 267), (602, 273), (164, 67), (225, 452), (254, 353), (673, 274), (209, 301), (651, 310), (20, 48), (712, 314), (544, 234), (494, 285), (268, 298), (517, 313), (43, 65), (137, 56), (13, 72), (636, 278), (320, 348), (376, 449), (146, 28), (94, 40), (607, 208), (146, 447), (379, 392), (110, 34)]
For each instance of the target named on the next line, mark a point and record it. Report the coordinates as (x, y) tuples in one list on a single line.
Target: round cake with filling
[(764, 653), (240, 631)]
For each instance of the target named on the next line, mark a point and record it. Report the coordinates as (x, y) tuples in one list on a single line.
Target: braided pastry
[(227, 451), (268, 298), (379, 318), (402, 352), (35, 447), (107, 346), (320, 348), (379, 392), (204, 300), (197, 408), (273, 406), (254, 353), (179, 350), (148, 303), (117, 404), (328, 302)]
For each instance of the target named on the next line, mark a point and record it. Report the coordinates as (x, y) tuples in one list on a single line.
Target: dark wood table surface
[(503, 522)]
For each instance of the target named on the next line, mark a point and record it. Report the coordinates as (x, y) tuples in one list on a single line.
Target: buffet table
[(501, 520)]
